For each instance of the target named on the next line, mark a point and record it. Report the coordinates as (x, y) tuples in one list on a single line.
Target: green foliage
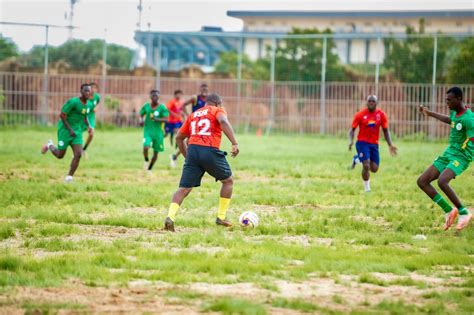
[(460, 69), (235, 306), (112, 103), (295, 304), (7, 48), (81, 54), (301, 59), (251, 70), (411, 59)]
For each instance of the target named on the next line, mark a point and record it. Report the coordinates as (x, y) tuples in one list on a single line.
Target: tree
[(461, 69), (411, 60), (251, 70), (7, 48), (81, 54)]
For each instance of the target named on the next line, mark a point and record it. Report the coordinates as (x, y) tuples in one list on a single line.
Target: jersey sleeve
[(98, 98), (164, 111), (185, 127), (143, 111), (470, 128), (355, 121), (384, 120), (67, 108)]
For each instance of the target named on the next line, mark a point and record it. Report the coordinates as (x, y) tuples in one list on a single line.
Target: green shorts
[(65, 139), (155, 141), (455, 162)]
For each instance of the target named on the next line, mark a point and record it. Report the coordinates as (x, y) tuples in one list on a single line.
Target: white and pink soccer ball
[(248, 219)]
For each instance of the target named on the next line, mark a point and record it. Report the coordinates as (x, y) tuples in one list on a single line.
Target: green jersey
[(76, 112), (152, 126), (462, 130), (92, 104)]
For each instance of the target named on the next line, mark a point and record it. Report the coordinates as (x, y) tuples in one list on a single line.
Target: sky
[(116, 20)]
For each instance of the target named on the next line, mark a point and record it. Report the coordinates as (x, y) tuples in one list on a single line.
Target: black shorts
[(201, 159)]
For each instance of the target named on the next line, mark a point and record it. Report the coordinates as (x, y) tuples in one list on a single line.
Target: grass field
[(323, 246)]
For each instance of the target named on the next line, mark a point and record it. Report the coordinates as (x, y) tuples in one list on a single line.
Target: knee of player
[(366, 166), (228, 181), (443, 182), (374, 169), (421, 182)]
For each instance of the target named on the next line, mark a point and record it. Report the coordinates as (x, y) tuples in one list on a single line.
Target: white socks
[(367, 185)]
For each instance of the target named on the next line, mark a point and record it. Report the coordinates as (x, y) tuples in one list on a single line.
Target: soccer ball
[(248, 219)]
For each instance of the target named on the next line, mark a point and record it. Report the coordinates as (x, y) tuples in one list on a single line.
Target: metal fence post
[(433, 88), (104, 74), (239, 79), (272, 82), (322, 100), (377, 65), (158, 63), (44, 107)]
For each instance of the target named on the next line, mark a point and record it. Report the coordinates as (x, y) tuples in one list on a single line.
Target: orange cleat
[(450, 218), (463, 221)]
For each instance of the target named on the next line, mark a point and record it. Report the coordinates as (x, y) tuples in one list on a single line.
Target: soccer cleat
[(450, 218), (355, 161), (145, 165), (44, 149), (172, 161), (85, 155), (223, 222), (169, 224), (68, 179), (463, 221)]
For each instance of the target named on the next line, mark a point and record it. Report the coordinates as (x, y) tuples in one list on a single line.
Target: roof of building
[(357, 14)]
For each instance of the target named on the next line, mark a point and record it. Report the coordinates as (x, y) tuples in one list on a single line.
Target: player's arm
[(229, 132), (164, 114), (393, 149), (86, 121), (351, 138), (142, 114), (190, 101), (425, 111), (63, 116)]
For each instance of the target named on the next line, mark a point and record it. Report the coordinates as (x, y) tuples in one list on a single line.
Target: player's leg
[(453, 169), (363, 150), (153, 160), (77, 151), (374, 158), (90, 136), (431, 174), (158, 146), (146, 145), (191, 177), (64, 140)]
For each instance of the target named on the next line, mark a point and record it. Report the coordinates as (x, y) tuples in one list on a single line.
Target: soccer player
[(197, 101), (453, 161), (73, 120), (175, 121), (204, 129), (153, 116), (95, 100), (369, 120)]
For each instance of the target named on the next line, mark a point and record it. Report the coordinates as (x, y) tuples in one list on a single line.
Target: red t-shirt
[(369, 124), (203, 128), (174, 107)]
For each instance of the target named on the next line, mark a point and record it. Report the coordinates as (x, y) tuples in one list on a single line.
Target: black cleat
[(223, 222), (169, 225)]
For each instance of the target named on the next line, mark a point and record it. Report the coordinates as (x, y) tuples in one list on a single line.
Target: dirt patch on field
[(307, 241), (379, 221)]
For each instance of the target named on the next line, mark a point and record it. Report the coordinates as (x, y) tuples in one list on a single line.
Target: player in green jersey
[(91, 109), (153, 116), (73, 120), (453, 161)]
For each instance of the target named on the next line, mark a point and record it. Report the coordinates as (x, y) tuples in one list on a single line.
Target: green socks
[(463, 210), (440, 201)]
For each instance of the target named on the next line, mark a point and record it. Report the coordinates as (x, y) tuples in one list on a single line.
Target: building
[(356, 34)]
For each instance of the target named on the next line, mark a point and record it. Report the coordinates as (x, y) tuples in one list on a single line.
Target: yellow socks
[(223, 207), (172, 211)]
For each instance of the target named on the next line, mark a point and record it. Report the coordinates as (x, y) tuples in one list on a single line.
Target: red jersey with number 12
[(369, 124), (203, 128)]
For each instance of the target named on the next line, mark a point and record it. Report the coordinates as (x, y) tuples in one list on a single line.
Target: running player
[(369, 120), (155, 115), (197, 101), (73, 120), (95, 100), (204, 129), (175, 121), (453, 161)]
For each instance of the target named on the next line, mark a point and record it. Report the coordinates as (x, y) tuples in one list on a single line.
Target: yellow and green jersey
[(151, 126), (76, 112), (461, 133)]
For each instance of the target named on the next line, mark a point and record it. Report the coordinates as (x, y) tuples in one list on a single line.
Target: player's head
[(154, 95), (86, 90), (454, 97), (372, 102), (94, 87), (214, 99), (178, 94), (204, 89)]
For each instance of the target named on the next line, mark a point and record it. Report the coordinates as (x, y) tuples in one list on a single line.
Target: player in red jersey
[(204, 128), (369, 120), (175, 121)]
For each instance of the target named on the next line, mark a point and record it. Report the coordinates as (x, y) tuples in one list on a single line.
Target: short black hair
[(154, 91), (178, 92), (84, 85), (456, 91), (204, 85)]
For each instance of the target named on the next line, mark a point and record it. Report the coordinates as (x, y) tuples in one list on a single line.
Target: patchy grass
[(321, 239)]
